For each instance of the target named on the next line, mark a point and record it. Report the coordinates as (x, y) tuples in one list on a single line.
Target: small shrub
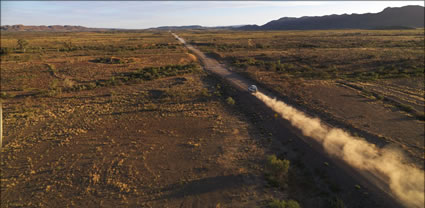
[(54, 92), (323, 75), (406, 108), (80, 87), (54, 84), (276, 203), (22, 44), (277, 170), (67, 83), (51, 68), (4, 95), (112, 82), (292, 204), (230, 101), (54, 88), (175, 94), (150, 107), (336, 203), (110, 60), (91, 86), (68, 45), (205, 93), (5, 51), (259, 45), (379, 97), (151, 73), (288, 67), (271, 66), (421, 116)]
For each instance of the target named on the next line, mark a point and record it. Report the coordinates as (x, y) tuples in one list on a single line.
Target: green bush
[(420, 116), (4, 95), (277, 170), (275, 203), (22, 44), (406, 108), (292, 204), (205, 93), (54, 84), (379, 97), (109, 60), (5, 51), (336, 203), (68, 84), (259, 45), (230, 101), (271, 66), (91, 86), (68, 45), (151, 73)]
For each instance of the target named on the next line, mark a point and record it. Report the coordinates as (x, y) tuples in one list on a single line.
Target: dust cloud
[(406, 182)]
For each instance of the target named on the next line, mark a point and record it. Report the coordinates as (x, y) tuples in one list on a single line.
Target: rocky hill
[(53, 28), (390, 18)]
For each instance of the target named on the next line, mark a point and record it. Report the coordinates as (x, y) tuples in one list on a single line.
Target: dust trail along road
[(381, 167), (406, 182)]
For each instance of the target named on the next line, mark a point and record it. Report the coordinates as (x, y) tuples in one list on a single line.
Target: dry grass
[(114, 132), (344, 54)]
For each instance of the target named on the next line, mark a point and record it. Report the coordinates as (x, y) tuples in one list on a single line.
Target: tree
[(22, 44)]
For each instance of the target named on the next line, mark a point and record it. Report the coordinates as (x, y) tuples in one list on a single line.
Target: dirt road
[(212, 65), (378, 190)]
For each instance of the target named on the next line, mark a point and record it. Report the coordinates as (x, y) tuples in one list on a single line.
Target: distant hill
[(196, 27), (406, 17), (390, 18), (53, 28), (179, 27), (70, 28)]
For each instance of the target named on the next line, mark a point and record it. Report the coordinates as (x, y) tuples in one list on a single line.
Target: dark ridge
[(390, 18)]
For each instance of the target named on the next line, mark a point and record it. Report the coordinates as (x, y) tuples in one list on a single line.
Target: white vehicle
[(252, 89)]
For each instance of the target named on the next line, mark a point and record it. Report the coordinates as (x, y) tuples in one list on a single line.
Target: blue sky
[(145, 14)]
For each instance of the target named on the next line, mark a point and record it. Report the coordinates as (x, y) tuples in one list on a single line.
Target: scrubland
[(130, 118), (122, 119), (369, 81)]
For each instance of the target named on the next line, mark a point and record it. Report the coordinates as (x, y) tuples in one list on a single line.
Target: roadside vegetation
[(277, 171), (347, 55), (105, 114), (352, 55), (129, 118), (344, 76), (46, 64), (87, 122), (283, 204)]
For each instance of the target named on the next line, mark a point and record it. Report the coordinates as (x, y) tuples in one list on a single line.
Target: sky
[(147, 14)]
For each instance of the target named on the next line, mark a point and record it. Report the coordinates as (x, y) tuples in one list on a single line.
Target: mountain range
[(197, 27), (390, 18), (53, 28)]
